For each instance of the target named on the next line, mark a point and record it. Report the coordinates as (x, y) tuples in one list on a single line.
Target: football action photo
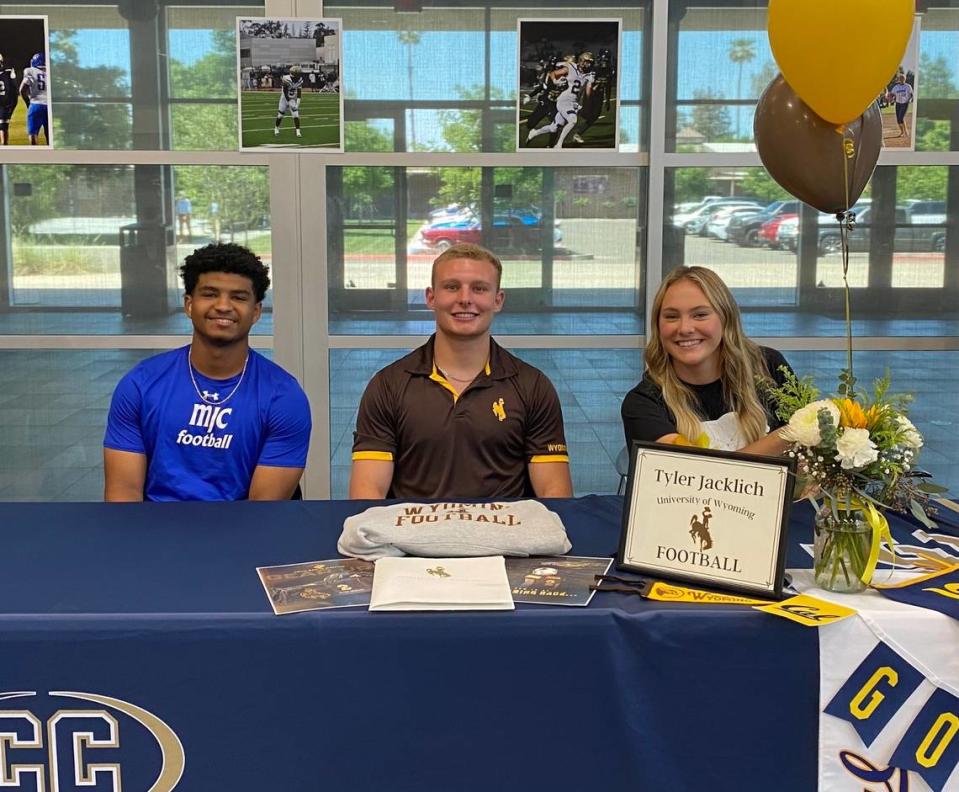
[(289, 84), (568, 84), (26, 116)]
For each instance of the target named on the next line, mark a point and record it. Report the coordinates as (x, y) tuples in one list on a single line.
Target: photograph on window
[(26, 115), (568, 84), (289, 84), (897, 102)]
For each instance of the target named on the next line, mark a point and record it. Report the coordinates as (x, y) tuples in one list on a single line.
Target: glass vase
[(841, 550)]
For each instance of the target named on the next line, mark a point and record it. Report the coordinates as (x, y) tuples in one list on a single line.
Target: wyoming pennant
[(666, 592)]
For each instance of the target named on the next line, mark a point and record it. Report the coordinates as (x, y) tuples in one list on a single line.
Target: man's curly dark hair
[(226, 257)]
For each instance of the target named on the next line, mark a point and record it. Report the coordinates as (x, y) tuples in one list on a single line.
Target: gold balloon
[(838, 55), (825, 165)]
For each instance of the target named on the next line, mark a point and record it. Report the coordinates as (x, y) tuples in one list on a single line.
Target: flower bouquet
[(858, 454)]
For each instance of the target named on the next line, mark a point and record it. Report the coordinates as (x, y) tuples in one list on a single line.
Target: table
[(159, 606)]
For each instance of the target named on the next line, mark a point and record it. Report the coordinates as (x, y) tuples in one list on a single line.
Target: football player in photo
[(33, 89), (577, 83), (545, 92), (8, 99), (291, 89)]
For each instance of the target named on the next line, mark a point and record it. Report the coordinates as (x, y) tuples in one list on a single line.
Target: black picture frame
[(631, 558)]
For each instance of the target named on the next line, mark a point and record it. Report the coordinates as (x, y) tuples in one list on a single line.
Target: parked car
[(697, 224), (782, 232), (718, 226), (914, 233), (745, 229), (684, 212), (513, 229), (787, 232), (924, 208)]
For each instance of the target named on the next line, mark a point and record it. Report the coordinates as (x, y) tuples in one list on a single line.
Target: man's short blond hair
[(467, 250)]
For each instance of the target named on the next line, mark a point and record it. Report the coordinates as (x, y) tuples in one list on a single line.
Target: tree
[(711, 120), (209, 77), (691, 184), (924, 182), (935, 82), (932, 135), (461, 130), (762, 78), (935, 78), (242, 193), (760, 184), (741, 52), (206, 126), (364, 186), (80, 125), (46, 186), (410, 38), (460, 186)]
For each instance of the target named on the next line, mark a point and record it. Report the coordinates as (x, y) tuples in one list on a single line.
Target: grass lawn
[(29, 259), (319, 120), (376, 241), (18, 127)]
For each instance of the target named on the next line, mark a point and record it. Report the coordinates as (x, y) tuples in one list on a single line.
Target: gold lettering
[(948, 724), (950, 590), (876, 698)]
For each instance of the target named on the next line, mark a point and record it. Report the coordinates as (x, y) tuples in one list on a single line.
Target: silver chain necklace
[(214, 398)]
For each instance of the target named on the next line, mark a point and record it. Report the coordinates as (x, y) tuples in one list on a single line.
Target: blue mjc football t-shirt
[(207, 449)]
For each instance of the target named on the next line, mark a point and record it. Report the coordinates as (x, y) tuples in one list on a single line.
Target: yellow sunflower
[(853, 416)]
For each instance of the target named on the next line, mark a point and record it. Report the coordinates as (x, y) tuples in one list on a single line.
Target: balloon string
[(845, 220)]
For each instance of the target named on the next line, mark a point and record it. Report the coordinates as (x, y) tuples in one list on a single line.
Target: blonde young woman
[(700, 386)]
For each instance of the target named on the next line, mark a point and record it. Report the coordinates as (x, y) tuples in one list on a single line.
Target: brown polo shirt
[(472, 444)]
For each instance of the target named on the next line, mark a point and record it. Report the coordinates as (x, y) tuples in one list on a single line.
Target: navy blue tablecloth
[(159, 605)]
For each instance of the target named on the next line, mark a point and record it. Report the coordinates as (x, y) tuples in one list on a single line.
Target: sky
[(703, 57), (375, 62)]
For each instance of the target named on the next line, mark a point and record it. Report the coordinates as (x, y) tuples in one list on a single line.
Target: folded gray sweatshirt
[(449, 530)]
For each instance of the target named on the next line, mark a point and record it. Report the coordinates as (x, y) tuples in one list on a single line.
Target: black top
[(646, 416)]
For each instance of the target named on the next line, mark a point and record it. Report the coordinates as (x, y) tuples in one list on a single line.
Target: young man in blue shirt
[(214, 420)]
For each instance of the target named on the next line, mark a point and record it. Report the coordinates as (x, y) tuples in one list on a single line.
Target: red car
[(512, 230), (767, 233)]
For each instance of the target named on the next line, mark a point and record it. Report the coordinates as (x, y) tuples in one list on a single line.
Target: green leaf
[(932, 489), (920, 514)]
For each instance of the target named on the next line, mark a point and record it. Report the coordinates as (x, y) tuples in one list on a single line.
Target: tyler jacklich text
[(703, 483)]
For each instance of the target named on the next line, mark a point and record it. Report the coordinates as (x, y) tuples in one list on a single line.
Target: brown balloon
[(805, 153)]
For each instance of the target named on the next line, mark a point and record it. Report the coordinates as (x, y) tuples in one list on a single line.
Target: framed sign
[(716, 518)]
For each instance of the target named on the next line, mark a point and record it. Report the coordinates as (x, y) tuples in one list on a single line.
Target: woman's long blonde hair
[(741, 361)]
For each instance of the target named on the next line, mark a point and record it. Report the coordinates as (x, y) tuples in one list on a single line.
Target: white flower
[(803, 427), (855, 449), (910, 435)]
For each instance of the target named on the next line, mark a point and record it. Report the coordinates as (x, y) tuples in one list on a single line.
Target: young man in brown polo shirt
[(461, 417)]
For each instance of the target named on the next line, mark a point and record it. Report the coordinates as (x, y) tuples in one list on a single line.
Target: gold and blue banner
[(936, 591), (930, 746), (875, 692), (881, 675)]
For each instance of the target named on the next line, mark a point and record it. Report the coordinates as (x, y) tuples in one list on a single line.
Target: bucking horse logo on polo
[(699, 530), (498, 410)]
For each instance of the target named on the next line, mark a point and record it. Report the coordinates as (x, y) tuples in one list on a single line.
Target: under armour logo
[(211, 396)]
